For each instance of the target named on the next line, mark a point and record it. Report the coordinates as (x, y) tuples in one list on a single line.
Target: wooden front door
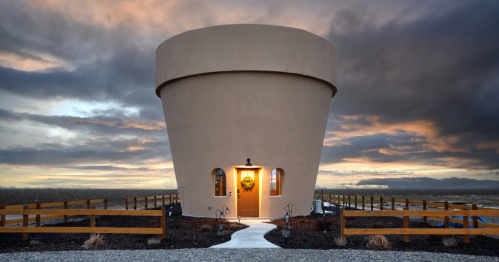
[(248, 202)]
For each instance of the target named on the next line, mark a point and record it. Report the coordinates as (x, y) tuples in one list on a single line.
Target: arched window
[(220, 182), (276, 182)]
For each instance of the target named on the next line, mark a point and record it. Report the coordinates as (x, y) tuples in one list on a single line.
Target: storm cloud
[(417, 85)]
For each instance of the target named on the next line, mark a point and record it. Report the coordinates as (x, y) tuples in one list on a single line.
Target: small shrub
[(94, 241), (153, 241), (450, 242), (377, 225), (205, 228), (340, 242), (378, 241), (435, 237)]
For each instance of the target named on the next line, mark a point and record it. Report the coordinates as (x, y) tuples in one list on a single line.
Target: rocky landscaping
[(181, 232), (308, 233)]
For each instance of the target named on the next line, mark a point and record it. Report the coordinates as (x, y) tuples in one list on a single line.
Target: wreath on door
[(247, 183)]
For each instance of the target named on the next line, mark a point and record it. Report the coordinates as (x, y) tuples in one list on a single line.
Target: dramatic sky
[(417, 103)]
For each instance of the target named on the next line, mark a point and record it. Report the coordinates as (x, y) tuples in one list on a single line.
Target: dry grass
[(205, 228), (340, 242), (378, 242), (450, 242), (154, 241), (94, 241), (377, 225)]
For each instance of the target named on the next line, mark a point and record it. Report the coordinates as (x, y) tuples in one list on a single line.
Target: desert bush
[(450, 242), (377, 225), (435, 237), (94, 241), (154, 241), (378, 241), (205, 228), (340, 242)]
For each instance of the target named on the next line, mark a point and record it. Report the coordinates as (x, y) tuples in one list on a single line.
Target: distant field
[(486, 197), (115, 196)]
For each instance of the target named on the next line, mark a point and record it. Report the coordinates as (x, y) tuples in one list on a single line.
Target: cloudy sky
[(417, 102)]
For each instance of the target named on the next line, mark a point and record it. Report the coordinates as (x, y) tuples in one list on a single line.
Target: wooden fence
[(406, 231), (39, 205), (172, 199), (25, 229)]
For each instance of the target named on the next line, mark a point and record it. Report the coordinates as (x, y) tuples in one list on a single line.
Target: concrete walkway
[(251, 237)]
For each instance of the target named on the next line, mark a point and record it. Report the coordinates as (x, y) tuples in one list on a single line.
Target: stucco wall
[(233, 92)]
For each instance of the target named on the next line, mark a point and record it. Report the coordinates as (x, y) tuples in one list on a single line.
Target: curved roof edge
[(245, 47)]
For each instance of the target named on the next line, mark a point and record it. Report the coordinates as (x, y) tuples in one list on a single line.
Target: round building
[(246, 109)]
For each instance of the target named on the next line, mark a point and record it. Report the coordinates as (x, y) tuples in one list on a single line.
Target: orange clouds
[(422, 128), (146, 125)]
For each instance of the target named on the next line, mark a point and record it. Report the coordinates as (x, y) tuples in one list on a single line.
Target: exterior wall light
[(248, 164)]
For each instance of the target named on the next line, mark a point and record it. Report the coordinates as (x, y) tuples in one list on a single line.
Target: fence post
[(155, 199), (163, 200), (355, 201), (38, 206), (349, 201), (146, 203), (105, 203), (92, 221), (176, 199), (475, 218), (466, 237), (171, 200), (65, 207), (393, 203), (25, 223), (343, 203), (380, 203), (406, 225), (363, 203), (163, 222), (424, 208), (135, 203), (407, 203), (330, 199), (342, 218), (126, 203), (2, 222), (446, 218), (372, 203), (88, 207)]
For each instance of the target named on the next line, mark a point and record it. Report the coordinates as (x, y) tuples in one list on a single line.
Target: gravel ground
[(238, 255)]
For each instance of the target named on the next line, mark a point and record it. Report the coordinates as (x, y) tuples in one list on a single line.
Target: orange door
[(248, 203)]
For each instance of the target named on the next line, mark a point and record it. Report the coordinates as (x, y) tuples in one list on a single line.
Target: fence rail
[(25, 229), (406, 231), (172, 199), (38, 205)]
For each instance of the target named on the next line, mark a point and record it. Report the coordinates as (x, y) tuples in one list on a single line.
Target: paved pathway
[(251, 237)]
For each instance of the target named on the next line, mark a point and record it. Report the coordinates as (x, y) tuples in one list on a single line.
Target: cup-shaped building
[(246, 109)]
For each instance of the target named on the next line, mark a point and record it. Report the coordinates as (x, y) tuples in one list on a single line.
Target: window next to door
[(276, 182), (220, 182)]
